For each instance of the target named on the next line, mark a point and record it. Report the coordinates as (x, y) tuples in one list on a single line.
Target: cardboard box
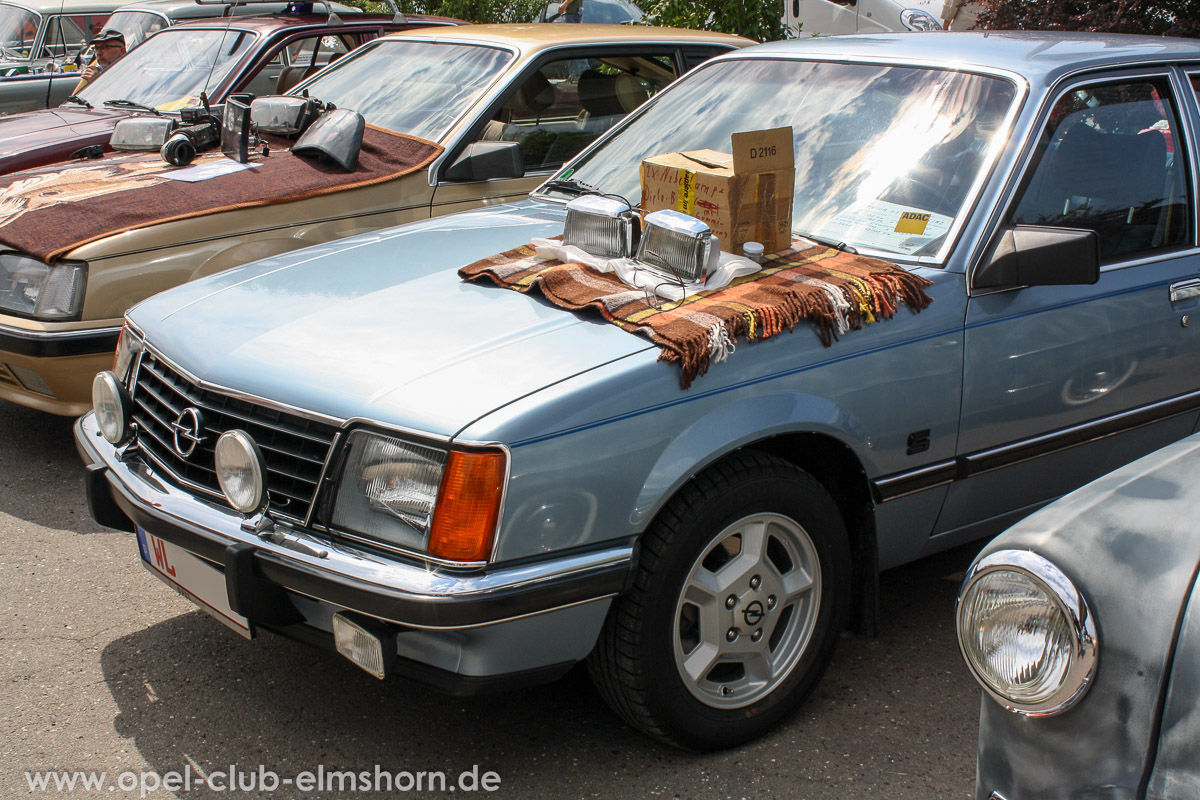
[(744, 197)]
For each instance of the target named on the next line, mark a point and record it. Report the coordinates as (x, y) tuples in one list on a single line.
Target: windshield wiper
[(571, 186), (834, 243), (133, 105), (73, 99)]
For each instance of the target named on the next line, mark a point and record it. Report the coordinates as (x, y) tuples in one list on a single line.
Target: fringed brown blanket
[(48, 211), (835, 290)]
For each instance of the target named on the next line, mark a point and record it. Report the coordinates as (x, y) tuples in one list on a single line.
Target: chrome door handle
[(1185, 290)]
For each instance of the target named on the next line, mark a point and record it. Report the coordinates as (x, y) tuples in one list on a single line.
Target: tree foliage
[(1156, 17), (761, 20)]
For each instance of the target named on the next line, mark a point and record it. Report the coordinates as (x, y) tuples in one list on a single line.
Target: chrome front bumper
[(332, 572)]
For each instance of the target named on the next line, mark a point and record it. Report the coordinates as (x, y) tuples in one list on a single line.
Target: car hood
[(380, 326), (31, 130)]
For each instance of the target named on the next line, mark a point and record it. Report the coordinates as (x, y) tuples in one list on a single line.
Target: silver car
[(475, 486), (1082, 623)]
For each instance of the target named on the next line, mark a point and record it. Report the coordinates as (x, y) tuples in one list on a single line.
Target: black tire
[(654, 630)]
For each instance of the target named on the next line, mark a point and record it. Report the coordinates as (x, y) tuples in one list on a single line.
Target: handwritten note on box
[(744, 196)]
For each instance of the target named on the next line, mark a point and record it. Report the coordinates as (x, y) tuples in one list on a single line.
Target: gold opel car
[(455, 119)]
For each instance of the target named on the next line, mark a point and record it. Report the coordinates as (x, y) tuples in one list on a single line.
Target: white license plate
[(193, 577)]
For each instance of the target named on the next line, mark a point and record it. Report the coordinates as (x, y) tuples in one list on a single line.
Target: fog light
[(601, 226), (109, 401), (240, 471), (678, 246), (369, 646)]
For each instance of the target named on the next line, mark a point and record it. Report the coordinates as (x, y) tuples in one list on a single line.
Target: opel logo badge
[(753, 613), (187, 431)]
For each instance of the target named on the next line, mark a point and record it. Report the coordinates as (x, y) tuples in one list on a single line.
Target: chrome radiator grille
[(168, 408)]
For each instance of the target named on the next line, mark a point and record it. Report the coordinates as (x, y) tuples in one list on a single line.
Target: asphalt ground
[(105, 669)]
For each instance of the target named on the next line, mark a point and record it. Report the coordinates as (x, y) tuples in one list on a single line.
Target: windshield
[(18, 31), (885, 156), (418, 88), (171, 69), (135, 26)]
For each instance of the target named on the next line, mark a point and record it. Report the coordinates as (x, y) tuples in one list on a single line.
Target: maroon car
[(169, 71)]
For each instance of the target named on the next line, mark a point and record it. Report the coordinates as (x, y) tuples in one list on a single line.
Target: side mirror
[(1036, 255), (487, 161)]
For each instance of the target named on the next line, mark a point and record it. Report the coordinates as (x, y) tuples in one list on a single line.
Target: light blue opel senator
[(476, 487)]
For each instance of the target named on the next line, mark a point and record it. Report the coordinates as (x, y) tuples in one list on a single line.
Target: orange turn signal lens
[(468, 506)]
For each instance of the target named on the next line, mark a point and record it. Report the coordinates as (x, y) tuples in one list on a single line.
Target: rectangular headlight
[(32, 288), (442, 502), (128, 346), (388, 490)]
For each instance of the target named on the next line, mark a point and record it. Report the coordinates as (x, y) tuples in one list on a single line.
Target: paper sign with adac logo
[(913, 222), (744, 196)]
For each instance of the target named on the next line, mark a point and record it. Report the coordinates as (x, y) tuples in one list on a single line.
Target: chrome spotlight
[(601, 226), (678, 246)]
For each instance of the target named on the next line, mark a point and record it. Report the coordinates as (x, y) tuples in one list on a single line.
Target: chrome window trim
[(971, 201), (1085, 644), (1008, 194)]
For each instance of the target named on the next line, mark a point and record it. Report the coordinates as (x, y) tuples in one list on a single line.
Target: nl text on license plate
[(194, 578)]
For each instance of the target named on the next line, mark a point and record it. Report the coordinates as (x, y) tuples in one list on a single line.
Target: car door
[(1064, 383), (554, 110)]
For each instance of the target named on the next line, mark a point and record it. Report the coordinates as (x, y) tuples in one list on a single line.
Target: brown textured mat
[(835, 290), (48, 211)]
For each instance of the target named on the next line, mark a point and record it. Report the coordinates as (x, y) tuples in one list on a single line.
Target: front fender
[(736, 424), (245, 252)]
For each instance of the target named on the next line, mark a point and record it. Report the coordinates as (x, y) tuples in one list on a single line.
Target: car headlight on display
[(1027, 633), (916, 19), (32, 288), (439, 501), (129, 345)]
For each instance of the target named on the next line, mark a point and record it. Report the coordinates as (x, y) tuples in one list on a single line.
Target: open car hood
[(381, 326)]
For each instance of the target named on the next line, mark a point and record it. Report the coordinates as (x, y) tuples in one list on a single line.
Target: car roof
[(66, 6), (1040, 56), (532, 37), (215, 9), (273, 22)]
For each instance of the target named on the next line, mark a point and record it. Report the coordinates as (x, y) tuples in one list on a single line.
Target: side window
[(296, 61), (1112, 163), (566, 104), (64, 37)]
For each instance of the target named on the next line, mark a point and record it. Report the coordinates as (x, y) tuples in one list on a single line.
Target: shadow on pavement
[(898, 711), (41, 475)]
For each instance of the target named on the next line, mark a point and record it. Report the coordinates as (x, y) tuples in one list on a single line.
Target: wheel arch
[(811, 432)]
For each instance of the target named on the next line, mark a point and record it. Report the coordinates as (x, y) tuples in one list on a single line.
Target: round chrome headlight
[(108, 399), (240, 471), (1027, 633)]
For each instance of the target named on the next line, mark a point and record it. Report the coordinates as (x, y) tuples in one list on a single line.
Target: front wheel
[(742, 588)]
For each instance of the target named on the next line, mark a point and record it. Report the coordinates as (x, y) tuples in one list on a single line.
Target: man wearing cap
[(109, 47)]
